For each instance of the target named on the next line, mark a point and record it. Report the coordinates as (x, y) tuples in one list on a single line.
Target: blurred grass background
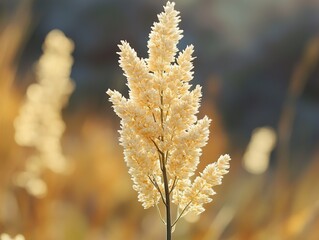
[(258, 62)]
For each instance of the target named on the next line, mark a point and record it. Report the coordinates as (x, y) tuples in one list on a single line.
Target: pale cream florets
[(198, 194), (161, 135)]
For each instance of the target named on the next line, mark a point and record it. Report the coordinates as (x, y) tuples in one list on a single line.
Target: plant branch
[(181, 214), (160, 214), (154, 182), (174, 184)]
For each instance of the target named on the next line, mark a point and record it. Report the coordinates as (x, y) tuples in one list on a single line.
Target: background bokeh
[(258, 63)]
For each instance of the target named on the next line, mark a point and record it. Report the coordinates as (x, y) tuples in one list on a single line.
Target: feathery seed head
[(160, 132)]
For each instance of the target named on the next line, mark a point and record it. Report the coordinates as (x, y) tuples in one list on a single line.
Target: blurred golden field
[(95, 200)]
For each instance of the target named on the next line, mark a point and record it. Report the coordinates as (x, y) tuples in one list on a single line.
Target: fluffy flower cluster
[(39, 123), (160, 132)]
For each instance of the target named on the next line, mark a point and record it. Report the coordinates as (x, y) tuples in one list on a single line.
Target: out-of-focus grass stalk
[(221, 221), (13, 34), (298, 81), (12, 37), (297, 225)]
